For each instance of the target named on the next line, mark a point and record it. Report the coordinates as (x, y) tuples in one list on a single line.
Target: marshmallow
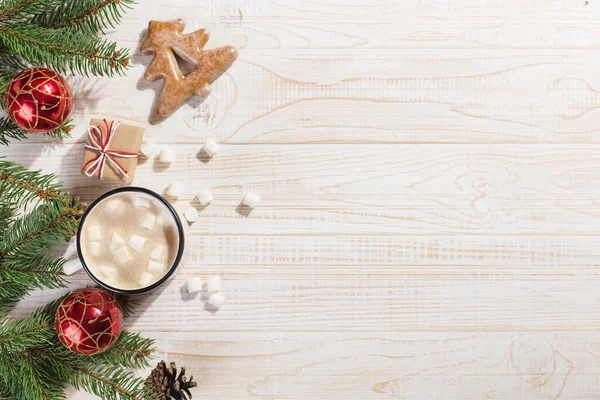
[(157, 253), (216, 300), (94, 248), (141, 201), (71, 250), (251, 200), (191, 214), (123, 255), (137, 242), (193, 285), (116, 241), (210, 148), (106, 272), (164, 218), (167, 155), (72, 266), (94, 233), (145, 279), (113, 205), (175, 189), (205, 197), (149, 221), (155, 266), (148, 149), (213, 284)]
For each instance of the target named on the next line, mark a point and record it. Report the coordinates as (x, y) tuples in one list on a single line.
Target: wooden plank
[(429, 181), (388, 299), (374, 96), (358, 9), (371, 190)]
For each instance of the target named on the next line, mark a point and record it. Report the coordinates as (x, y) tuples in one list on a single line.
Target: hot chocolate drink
[(129, 240)]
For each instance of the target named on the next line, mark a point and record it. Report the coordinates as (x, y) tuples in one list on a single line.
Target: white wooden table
[(430, 176)]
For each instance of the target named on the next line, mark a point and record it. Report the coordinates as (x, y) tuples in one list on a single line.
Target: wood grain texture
[(429, 174)]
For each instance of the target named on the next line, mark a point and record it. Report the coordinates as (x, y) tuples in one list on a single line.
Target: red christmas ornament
[(89, 321), (38, 100)]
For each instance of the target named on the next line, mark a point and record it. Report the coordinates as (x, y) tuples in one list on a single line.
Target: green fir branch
[(89, 16), (12, 62), (65, 50), (34, 331), (7, 215), (40, 230), (39, 383), (10, 131), (4, 393), (34, 271), (10, 294), (21, 186), (131, 351), (15, 9), (109, 383), (30, 351)]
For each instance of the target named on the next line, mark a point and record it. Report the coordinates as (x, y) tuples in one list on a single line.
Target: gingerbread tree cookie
[(164, 39)]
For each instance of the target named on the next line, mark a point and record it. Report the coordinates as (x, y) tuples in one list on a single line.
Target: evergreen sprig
[(86, 16), (20, 186), (65, 50), (60, 34), (25, 263), (34, 365)]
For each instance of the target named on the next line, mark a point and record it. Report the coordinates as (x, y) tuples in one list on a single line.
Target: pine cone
[(164, 383)]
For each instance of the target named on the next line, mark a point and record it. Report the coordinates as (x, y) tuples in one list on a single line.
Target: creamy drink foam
[(129, 240)]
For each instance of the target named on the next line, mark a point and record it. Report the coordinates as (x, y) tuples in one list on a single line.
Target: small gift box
[(112, 150)]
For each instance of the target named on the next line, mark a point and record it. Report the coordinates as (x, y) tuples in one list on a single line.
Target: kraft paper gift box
[(112, 150)]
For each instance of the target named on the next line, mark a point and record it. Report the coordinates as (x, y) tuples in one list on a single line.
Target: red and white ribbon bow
[(100, 142)]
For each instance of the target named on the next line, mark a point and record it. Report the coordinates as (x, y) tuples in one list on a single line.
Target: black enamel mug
[(180, 234)]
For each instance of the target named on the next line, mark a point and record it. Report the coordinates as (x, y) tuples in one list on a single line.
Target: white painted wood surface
[(430, 176)]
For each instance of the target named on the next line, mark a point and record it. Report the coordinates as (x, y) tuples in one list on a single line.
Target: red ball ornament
[(38, 100), (89, 321)]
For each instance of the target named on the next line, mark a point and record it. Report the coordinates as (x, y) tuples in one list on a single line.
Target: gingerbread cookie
[(166, 37)]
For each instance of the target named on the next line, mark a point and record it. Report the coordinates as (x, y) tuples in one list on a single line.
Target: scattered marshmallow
[(175, 189), (145, 279), (157, 253), (142, 201), (72, 266), (210, 148), (155, 266), (113, 205), (137, 243), (217, 300), (71, 250), (123, 255), (191, 214), (205, 197), (251, 200), (213, 284), (149, 221), (94, 232), (94, 248), (193, 285), (148, 149), (116, 241), (167, 155)]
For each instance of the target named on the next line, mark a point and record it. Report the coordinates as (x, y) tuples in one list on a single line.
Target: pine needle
[(65, 50), (89, 16)]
